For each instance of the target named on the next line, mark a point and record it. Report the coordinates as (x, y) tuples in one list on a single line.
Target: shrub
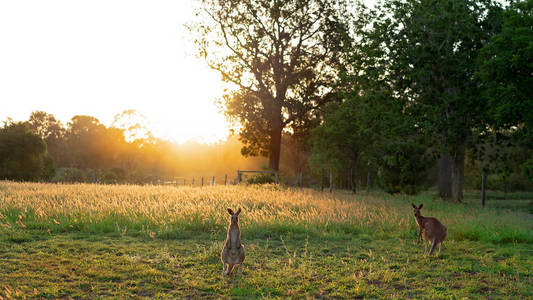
[(260, 179)]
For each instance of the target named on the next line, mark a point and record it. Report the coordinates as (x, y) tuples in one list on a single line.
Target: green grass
[(84, 266), (314, 246), (513, 201)]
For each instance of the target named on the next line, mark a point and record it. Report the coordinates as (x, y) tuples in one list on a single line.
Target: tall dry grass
[(174, 212)]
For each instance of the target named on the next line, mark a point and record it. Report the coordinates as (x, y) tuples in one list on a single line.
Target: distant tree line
[(85, 150), (395, 92)]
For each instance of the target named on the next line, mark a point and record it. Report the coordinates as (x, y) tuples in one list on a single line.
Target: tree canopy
[(22, 153), (426, 51), (281, 57)]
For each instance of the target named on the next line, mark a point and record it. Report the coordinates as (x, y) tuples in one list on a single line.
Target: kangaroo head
[(416, 210), (234, 216)]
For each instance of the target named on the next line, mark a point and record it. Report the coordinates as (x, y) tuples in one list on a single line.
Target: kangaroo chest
[(234, 239), (420, 222), (233, 257)]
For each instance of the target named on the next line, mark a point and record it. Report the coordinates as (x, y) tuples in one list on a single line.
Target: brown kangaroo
[(233, 252), (435, 232)]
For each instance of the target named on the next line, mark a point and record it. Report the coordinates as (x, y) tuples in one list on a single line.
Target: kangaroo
[(233, 251), (435, 232)]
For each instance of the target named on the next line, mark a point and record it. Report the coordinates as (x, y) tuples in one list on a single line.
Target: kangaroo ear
[(414, 206), (238, 211), (420, 207), (230, 211)]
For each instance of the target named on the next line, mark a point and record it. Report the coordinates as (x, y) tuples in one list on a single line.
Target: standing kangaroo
[(233, 252), (435, 232)]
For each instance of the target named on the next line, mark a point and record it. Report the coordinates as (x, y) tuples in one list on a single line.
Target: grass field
[(91, 241)]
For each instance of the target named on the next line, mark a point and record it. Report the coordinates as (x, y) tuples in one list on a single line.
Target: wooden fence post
[(368, 182), (277, 177), (322, 180), (192, 181), (352, 184), (213, 181), (483, 182), (202, 180), (225, 179), (301, 179), (330, 181)]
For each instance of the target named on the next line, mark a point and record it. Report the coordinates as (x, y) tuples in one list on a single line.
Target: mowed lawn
[(118, 241)]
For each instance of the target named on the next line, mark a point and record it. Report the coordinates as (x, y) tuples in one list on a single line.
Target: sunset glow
[(100, 58)]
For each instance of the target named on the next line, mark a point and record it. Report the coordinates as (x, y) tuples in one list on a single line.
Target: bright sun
[(101, 57)]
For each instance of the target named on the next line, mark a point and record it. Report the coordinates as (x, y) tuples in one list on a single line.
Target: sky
[(102, 57)]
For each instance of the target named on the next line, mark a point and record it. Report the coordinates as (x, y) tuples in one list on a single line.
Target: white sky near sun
[(102, 57)]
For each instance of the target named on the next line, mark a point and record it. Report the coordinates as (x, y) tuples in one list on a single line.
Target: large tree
[(428, 49), (52, 132), (22, 153), (506, 73), (506, 68), (280, 56), (339, 142), (93, 145)]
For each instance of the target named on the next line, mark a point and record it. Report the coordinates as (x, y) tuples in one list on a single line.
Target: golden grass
[(168, 204), (202, 208)]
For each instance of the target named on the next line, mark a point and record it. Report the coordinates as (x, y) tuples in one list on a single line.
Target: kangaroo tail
[(433, 246)]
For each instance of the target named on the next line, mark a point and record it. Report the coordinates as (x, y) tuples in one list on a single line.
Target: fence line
[(327, 180)]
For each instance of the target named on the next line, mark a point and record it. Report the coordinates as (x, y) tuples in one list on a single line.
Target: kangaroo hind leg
[(224, 269), (230, 267), (433, 246)]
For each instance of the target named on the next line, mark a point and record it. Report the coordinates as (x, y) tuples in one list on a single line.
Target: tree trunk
[(458, 168), (275, 147), (444, 166)]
